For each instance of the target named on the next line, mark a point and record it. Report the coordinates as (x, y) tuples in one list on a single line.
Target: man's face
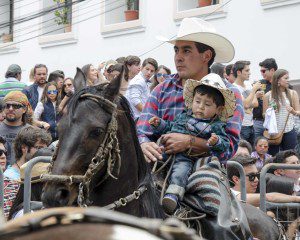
[(230, 78), (148, 71), (13, 111), (188, 61), (251, 178), (295, 174), (134, 69), (59, 82), (2, 157), (245, 73), (267, 73), (40, 76), (31, 151)]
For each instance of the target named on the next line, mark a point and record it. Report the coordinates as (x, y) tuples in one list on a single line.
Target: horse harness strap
[(107, 153), (122, 202)]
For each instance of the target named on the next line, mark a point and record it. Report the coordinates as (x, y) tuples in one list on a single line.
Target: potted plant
[(204, 3), (6, 37), (131, 13), (62, 15)]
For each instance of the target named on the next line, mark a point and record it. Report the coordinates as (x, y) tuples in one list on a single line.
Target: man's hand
[(154, 121), (213, 140), (256, 86), (260, 94), (175, 142), (152, 151)]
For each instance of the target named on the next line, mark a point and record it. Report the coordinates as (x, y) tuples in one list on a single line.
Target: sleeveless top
[(282, 114)]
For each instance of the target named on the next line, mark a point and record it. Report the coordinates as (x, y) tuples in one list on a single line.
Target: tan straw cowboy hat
[(38, 169), (215, 81), (198, 30)]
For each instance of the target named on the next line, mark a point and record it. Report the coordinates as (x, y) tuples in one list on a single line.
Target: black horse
[(98, 160)]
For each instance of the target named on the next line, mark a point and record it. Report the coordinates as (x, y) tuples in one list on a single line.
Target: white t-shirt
[(245, 92), (235, 192), (40, 91)]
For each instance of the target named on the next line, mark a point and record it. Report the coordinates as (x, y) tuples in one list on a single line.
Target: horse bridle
[(108, 152)]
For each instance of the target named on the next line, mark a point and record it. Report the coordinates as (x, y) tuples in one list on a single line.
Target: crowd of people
[(205, 109)]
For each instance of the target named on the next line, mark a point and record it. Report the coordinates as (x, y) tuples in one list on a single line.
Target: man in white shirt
[(241, 71), (138, 89)]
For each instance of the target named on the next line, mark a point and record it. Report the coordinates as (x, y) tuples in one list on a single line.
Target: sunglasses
[(52, 91), (161, 75), (264, 70), (252, 176), (13, 105), (3, 151)]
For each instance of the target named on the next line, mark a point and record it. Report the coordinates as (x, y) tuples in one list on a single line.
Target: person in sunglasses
[(252, 181), (267, 69), (18, 112), (3, 154), (46, 109), (162, 73)]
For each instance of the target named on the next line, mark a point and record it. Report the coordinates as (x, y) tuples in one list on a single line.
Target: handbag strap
[(287, 118)]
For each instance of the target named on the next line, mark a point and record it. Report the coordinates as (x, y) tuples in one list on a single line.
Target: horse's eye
[(95, 133)]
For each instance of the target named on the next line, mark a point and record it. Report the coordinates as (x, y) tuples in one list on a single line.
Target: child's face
[(262, 146), (52, 93), (204, 107)]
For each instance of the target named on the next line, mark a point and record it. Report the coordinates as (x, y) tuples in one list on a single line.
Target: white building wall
[(256, 32)]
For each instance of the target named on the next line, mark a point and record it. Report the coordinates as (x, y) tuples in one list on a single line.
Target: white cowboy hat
[(198, 30), (215, 81)]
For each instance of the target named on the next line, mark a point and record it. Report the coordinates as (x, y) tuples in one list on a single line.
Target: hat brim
[(229, 97), (222, 46)]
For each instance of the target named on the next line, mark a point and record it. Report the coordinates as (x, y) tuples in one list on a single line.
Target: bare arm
[(251, 100), (266, 102)]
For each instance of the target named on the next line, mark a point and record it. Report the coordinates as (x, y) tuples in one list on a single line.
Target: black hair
[(218, 68), (11, 75), (228, 69), (233, 171), (269, 64), (281, 157), (53, 76), (211, 92), (245, 144), (202, 48), (258, 139), (239, 66), (2, 140), (39, 66), (121, 60)]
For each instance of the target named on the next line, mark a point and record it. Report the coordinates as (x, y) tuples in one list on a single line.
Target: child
[(208, 105), (46, 109), (261, 146)]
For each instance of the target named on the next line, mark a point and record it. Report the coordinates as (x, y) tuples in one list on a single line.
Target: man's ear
[(207, 55), (235, 179), (279, 172)]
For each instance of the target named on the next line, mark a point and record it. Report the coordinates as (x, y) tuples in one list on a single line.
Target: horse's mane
[(149, 199)]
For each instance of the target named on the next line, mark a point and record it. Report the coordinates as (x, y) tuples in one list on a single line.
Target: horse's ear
[(113, 88), (79, 80)]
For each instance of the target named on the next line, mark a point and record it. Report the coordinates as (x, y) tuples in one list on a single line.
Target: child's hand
[(154, 121), (213, 140)]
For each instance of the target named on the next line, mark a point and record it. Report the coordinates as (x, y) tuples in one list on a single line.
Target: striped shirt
[(10, 84), (166, 101)]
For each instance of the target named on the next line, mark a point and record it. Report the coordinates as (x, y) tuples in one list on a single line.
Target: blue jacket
[(49, 115), (32, 94)]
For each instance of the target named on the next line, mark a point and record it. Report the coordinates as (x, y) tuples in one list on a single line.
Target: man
[(241, 72), (252, 181), (267, 69), (58, 77), (228, 75), (194, 54), (27, 142), (139, 87), (34, 92), (18, 114), (218, 68), (12, 80)]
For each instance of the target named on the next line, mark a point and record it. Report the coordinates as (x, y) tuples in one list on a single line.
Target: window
[(208, 9), (267, 4), (121, 17), (7, 21)]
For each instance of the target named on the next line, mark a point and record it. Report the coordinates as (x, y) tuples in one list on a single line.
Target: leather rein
[(107, 153)]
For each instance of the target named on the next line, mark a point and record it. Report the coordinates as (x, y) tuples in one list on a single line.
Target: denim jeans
[(258, 128), (247, 133), (289, 141)]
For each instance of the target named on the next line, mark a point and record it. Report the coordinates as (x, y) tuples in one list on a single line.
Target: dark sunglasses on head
[(13, 105), (3, 151), (263, 70), (161, 75), (252, 176), (52, 91)]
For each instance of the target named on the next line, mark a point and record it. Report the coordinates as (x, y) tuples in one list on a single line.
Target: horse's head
[(84, 135)]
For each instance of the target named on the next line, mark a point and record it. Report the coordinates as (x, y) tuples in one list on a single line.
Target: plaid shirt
[(166, 101), (11, 188)]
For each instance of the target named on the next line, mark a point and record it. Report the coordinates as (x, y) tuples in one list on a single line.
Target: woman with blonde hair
[(285, 102)]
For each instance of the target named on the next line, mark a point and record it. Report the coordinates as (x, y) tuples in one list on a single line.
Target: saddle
[(170, 229)]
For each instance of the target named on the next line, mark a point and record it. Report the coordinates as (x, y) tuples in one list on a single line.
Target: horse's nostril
[(62, 196)]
